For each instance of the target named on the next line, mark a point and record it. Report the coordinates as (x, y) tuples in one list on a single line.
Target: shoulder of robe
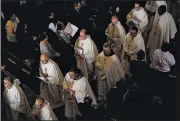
[(52, 63), (8, 22), (170, 16), (89, 38), (84, 79), (77, 41), (127, 35)]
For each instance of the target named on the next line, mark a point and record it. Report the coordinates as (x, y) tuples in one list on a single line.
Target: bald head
[(44, 58), (83, 34), (114, 19)]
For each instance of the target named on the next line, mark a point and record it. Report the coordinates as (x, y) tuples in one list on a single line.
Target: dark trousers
[(159, 81)]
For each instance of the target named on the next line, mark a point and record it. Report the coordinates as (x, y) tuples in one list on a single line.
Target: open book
[(71, 29)]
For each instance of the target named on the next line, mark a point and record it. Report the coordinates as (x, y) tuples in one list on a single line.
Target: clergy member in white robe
[(70, 102), (108, 70), (138, 17), (132, 44), (42, 110), (115, 34), (164, 29), (16, 99), (52, 79), (162, 59), (152, 7), (81, 87), (85, 52), (45, 47)]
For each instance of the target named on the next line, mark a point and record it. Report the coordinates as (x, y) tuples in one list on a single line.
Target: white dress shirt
[(52, 27), (162, 61)]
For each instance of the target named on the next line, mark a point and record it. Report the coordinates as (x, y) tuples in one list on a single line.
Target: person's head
[(77, 4), (83, 33), (52, 18), (161, 10), (39, 102), (165, 47), (88, 100), (141, 55), (60, 26), (137, 6), (114, 20), (134, 31), (8, 82), (13, 17), (74, 73), (43, 37), (107, 49), (44, 58)]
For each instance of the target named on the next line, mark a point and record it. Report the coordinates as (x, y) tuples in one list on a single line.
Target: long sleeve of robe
[(83, 89), (133, 46), (90, 50), (115, 72), (47, 113), (55, 75), (142, 17)]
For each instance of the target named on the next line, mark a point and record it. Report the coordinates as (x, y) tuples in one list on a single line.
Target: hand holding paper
[(43, 79)]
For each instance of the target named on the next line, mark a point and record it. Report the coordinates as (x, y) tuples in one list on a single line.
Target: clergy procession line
[(145, 47)]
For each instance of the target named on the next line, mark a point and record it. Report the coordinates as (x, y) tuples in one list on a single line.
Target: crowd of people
[(139, 59)]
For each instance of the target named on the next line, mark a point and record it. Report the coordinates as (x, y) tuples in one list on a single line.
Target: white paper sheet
[(42, 78), (71, 29)]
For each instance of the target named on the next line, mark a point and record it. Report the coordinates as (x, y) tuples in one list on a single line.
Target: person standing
[(16, 99), (43, 111), (115, 34), (138, 17), (132, 44), (163, 30), (52, 79), (11, 27), (85, 52), (81, 87), (108, 70), (71, 107)]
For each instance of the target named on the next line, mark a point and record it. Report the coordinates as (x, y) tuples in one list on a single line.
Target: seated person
[(45, 47), (162, 59), (160, 66), (61, 34)]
